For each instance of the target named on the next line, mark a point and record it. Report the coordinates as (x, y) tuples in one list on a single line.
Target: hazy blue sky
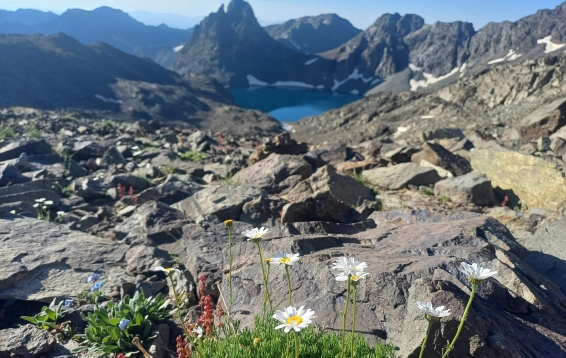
[(360, 12)]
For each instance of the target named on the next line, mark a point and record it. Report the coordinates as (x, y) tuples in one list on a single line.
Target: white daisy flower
[(284, 259), (349, 265), (36, 205), (255, 234), (60, 213), (432, 312), (198, 331), (294, 319), (168, 270), (48, 203), (354, 276), (475, 272), (40, 200), (13, 212)]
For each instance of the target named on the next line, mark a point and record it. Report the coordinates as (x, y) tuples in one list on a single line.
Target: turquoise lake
[(290, 104)]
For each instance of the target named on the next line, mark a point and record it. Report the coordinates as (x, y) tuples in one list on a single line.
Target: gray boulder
[(26, 341), (544, 121), (127, 180), (275, 173), (30, 147), (10, 174), (113, 156), (548, 252), (401, 175), (224, 202), (153, 220), (440, 156), (325, 179), (320, 206), (171, 191), (471, 188)]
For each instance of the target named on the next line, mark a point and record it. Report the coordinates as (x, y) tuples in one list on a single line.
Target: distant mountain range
[(313, 34), (104, 24), (396, 53), (58, 72)]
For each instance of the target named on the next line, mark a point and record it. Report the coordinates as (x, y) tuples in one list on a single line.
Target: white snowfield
[(430, 79), (311, 61), (178, 48), (106, 99), (401, 130), (511, 56), (550, 46), (356, 75), (253, 81)]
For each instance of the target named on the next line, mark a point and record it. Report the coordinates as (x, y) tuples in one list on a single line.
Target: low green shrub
[(48, 317), (112, 329), (266, 342), (193, 156)]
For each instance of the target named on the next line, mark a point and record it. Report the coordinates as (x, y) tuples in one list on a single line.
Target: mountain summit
[(232, 47)]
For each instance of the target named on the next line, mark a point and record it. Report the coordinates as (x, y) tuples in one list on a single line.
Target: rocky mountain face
[(135, 196), (233, 48), (103, 24), (313, 34), (396, 53), (58, 72)]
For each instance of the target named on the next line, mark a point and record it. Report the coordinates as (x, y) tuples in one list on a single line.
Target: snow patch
[(511, 56), (287, 127), (311, 61), (295, 44), (178, 48), (430, 79), (355, 92), (414, 68), (108, 100), (376, 81), (253, 81), (428, 116), (401, 130), (550, 46), (356, 75)]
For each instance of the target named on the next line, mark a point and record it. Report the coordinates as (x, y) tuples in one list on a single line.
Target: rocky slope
[(103, 24), (495, 101), (58, 72), (139, 195), (313, 34)]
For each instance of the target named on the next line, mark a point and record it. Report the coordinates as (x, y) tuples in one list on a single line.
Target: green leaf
[(114, 332), (114, 321), (51, 314), (139, 319), (146, 331), (111, 349), (29, 319)]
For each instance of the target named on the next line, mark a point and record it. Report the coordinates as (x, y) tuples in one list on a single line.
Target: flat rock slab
[(401, 175), (412, 257), (41, 260)]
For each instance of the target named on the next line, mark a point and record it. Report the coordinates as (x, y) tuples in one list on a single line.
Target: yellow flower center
[(256, 341), (168, 269), (268, 260), (258, 235), (228, 222), (285, 260), (295, 320), (355, 278)]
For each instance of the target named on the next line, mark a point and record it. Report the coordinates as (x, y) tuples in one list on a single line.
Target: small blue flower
[(124, 324), (93, 277), (69, 302), (96, 286)]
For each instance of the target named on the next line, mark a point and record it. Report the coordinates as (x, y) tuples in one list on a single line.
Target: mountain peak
[(240, 7)]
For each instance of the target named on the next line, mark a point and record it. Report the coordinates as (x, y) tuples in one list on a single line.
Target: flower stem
[(287, 348), (344, 323), (451, 345), (264, 277), (265, 296), (355, 289), (423, 345), (230, 270), (288, 282), (178, 303), (296, 345)]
